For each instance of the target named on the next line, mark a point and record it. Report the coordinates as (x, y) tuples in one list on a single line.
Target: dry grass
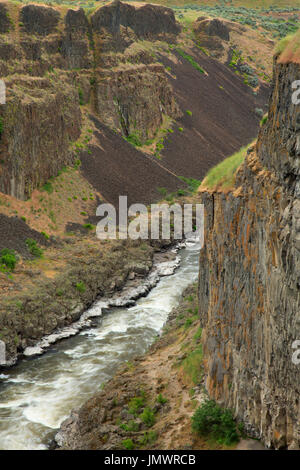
[(289, 49)]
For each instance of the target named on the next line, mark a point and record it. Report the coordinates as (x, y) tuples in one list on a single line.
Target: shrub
[(134, 139), (80, 286), (1, 125), (128, 444), (264, 120), (48, 187), (215, 422), (160, 399), (8, 259), (189, 112), (89, 226), (148, 438), (190, 59), (80, 94), (135, 405), (132, 426), (148, 416), (33, 248)]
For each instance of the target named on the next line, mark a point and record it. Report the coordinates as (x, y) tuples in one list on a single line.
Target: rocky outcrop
[(54, 65), (135, 100), (249, 290), (5, 21), (40, 120), (214, 27), (145, 21)]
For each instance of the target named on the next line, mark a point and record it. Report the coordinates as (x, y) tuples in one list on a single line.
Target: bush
[(212, 421), (134, 140), (1, 126), (48, 187), (148, 417), (89, 226), (160, 399), (80, 286), (128, 444), (135, 405), (8, 259), (33, 248)]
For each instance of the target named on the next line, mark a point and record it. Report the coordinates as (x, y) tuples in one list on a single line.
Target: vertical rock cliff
[(53, 62), (249, 281)]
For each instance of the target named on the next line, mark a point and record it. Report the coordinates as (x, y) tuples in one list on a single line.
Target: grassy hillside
[(222, 176), (289, 49)]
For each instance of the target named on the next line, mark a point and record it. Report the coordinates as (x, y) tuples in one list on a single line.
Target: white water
[(39, 393)]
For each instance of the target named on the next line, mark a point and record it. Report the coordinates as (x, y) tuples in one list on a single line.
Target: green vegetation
[(263, 17), (33, 248), (132, 426), (149, 437), (289, 48), (1, 126), (8, 260), (190, 59), (134, 140), (264, 120), (128, 444), (136, 404), (192, 365), (223, 174), (48, 187), (192, 183), (89, 226), (210, 420), (80, 95), (80, 286), (161, 400)]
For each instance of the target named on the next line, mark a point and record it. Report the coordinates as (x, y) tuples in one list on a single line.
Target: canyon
[(125, 99)]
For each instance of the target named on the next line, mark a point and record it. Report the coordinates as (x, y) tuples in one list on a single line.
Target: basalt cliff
[(249, 285)]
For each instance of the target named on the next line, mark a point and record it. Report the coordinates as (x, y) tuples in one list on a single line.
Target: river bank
[(149, 402), (37, 394), (67, 281)]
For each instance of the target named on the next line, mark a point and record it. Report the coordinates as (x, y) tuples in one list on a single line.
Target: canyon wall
[(249, 284), (54, 63)]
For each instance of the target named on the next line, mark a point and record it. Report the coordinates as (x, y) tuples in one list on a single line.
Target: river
[(38, 393)]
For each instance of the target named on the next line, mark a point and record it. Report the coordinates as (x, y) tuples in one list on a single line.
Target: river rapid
[(39, 392)]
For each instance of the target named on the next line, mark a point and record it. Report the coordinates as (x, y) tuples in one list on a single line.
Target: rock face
[(213, 27), (5, 23), (56, 64), (146, 21), (122, 98), (249, 289), (39, 20), (41, 119)]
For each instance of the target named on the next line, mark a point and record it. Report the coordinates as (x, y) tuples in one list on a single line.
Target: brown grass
[(289, 49)]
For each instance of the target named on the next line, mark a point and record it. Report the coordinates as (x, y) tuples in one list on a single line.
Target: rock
[(214, 27), (39, 19), (146, 21), (5, 21)]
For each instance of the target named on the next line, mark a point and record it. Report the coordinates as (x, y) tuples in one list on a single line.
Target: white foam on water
[(37, 395)]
